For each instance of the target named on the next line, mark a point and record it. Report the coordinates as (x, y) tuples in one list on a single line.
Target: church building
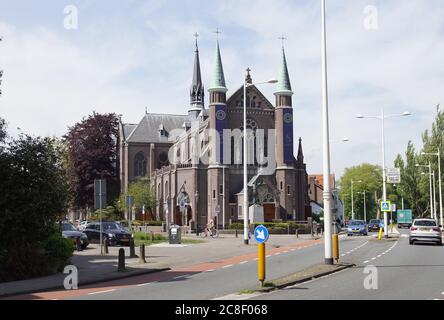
[(194, 161)]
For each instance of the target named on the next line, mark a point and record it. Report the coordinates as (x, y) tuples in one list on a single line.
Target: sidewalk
[(94, 267)]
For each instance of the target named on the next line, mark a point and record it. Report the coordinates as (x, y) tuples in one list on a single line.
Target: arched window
[(140, 164)]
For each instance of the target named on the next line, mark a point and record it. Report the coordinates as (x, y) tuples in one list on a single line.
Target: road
[(404, 272)]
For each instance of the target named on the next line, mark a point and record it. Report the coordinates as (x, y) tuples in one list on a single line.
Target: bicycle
[(209, 232)]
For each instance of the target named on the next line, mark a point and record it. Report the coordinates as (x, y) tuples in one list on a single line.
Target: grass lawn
[(142, 237)]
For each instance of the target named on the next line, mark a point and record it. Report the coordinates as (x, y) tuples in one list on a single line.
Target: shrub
[(59, 250)]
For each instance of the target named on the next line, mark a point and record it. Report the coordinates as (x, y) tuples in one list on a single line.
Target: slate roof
[(147, 131)]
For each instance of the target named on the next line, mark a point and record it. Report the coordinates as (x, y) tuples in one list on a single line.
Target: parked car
[(425, 230), (70, 232), (375, 225), (82, 225), (112, 233), (357, 227)]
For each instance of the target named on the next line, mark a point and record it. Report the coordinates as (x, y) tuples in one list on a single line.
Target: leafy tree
[(371, 177), (92, 148), (34, 193), (143, 194), (412, 182)]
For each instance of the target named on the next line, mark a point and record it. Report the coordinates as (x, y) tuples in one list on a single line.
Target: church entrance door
[(269, 211)]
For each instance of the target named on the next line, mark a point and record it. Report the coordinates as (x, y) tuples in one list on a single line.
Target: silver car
[(425, 230)]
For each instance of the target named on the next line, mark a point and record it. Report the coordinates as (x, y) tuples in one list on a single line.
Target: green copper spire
[(217, 82), (284, 85)]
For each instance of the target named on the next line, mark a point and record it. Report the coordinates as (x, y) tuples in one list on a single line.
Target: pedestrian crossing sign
[(386, 206)]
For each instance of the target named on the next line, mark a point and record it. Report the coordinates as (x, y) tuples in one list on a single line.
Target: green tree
[(371, 177), (412, 183), (34, 194), (143, 194)]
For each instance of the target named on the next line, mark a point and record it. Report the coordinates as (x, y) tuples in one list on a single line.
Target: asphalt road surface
[(404, 272)]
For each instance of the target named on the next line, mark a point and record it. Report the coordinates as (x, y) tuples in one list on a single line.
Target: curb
[(304, 279), (125, 275)]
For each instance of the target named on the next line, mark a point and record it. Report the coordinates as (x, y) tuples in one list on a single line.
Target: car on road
[(82, 225), (357, 227), (375, 224), (113, 233), (70, 232), (425, 230)]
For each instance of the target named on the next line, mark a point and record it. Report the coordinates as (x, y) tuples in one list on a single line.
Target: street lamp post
[(365, 207), (246, 202), (352, 198), (438, 154), (328, 243), (434, 196), (430, 184), (382, 117)]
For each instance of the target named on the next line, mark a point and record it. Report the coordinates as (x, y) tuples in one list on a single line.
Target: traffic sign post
[(129, 204), (261, 236), (99, 202)]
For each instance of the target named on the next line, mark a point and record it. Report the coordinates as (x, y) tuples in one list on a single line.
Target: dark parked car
[(375, 225), (70, 232), (112, 233)]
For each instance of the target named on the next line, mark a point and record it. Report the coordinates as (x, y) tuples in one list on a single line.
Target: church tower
[(197, 87), (285, 175), (217, 187)]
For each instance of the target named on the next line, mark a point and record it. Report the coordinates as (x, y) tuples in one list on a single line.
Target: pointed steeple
[(217, 82), (197, 87), (300, 152), (284, 84)]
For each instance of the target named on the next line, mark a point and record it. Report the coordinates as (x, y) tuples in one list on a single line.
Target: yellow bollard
[(336, 247), (261, 263), (380, 233)]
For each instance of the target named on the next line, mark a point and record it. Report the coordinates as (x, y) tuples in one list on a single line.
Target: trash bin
[(175, 234)]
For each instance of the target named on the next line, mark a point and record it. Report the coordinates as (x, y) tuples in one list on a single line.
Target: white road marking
[(211, 270), (367, 261), (180, 277), (243, 262), (143, 284), (227, 266), (268, 256), (99, 292)]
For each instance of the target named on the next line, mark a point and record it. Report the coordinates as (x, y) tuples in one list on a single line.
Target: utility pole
[(328, 241)]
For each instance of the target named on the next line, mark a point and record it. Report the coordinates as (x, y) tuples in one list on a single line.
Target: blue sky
[(128, 55)]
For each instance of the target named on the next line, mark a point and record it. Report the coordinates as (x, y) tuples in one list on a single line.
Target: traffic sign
[(129, 201), (394, 175), (386, 206), (99, 194), (261, 234)]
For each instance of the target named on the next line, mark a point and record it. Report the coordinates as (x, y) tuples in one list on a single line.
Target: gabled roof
[(252, 91), (147, 131)]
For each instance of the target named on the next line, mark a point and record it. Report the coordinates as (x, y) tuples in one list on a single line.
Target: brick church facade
[(194, 161)]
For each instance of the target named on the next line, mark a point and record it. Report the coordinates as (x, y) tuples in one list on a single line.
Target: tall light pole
[(326, 144), (438, 154), (434, 195), (246, 202), (430, 183), (382, 117), (365, 207), (352, 198)]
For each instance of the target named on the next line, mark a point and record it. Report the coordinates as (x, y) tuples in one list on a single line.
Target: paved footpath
[(214, 254)]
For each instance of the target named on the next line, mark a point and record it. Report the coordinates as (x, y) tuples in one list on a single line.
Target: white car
[(425, 230), (82, 225)]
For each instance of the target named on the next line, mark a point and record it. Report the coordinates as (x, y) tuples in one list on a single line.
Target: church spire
[(197, 87), (217, 83), (284, 84), (300, 152)]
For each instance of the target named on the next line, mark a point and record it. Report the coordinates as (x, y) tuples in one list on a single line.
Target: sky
[(125, 56)]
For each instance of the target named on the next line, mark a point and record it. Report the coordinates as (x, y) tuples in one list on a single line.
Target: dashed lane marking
[(99, 292), (227, 266)]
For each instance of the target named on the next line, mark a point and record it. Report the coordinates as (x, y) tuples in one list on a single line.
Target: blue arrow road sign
[(261, 234)]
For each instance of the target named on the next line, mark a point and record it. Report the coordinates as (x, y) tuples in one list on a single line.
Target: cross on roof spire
[(282, 38), (217, 32)]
